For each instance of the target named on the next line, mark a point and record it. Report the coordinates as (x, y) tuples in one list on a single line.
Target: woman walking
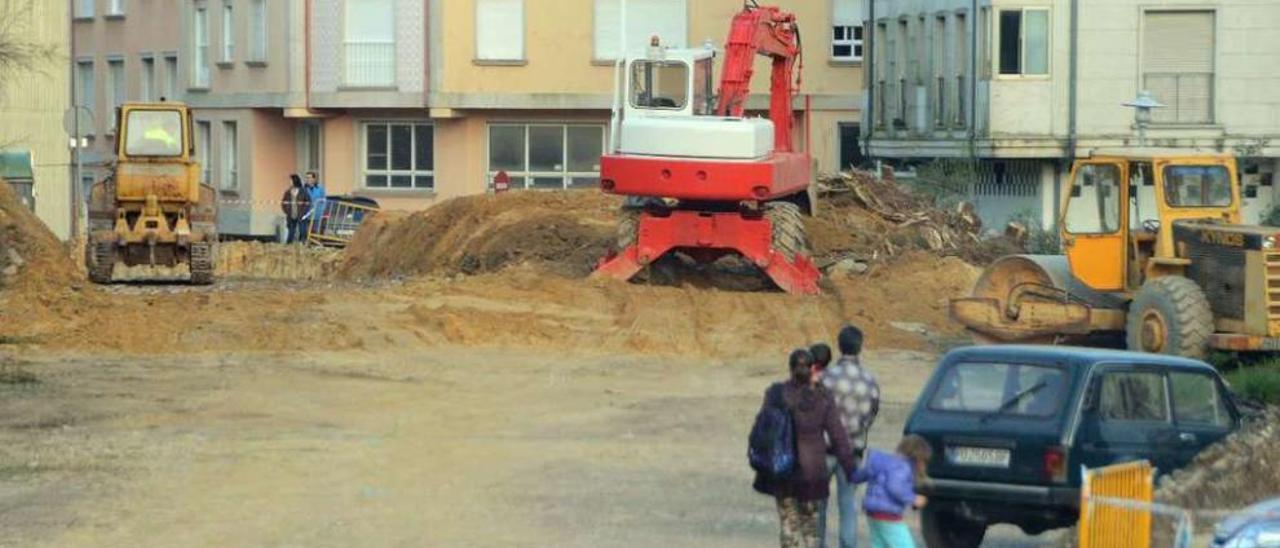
[(816, 420)]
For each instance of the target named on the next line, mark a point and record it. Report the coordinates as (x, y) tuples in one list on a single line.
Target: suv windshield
[(153, 133), (1003, 388)]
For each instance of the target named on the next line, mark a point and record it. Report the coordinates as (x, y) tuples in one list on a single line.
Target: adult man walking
[(314, 218), (295, 203), (857, 396)]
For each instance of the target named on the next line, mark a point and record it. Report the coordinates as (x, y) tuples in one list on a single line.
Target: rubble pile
[(31, 257), (1240, 470)]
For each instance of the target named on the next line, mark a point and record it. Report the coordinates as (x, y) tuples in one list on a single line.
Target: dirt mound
[(1234, 473), (565, 231), (32, 259), (264, 261)]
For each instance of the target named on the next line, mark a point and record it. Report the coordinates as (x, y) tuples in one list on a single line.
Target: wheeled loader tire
[(202, 263), (100, 259), (789, 236), (1170, 315), (628, 231)]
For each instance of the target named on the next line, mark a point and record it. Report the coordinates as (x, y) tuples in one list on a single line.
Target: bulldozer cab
[(1117, 219), (154, 153)]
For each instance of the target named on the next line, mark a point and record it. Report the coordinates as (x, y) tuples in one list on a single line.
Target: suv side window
[(1133, 396), (1197, 400)]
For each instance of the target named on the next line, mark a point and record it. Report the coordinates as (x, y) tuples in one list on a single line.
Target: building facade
[(1022, 87), (411, 102), (32, 104)]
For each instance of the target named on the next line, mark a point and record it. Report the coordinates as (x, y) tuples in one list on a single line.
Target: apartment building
[(413, 101), (33, 144), (1025, 86)]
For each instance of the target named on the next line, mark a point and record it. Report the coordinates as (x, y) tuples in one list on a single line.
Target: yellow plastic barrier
[(1105, 525)]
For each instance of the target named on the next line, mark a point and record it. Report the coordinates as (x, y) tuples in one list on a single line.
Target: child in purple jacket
[(891, 489)]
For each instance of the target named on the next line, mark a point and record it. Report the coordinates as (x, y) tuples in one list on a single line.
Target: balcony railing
[(369, 64)]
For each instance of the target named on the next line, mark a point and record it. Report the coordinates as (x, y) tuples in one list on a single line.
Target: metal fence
[(337, 221)]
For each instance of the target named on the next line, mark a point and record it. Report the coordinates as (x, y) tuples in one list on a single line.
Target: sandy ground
[(426, 446)]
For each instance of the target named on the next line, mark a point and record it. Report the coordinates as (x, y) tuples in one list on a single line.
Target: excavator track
[(202, 263), (789, 237), (102, 260)]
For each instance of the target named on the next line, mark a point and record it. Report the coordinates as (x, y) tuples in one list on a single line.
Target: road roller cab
[(1153, 251)]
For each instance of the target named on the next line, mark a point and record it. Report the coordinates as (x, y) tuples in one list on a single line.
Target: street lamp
[(1142, 107)]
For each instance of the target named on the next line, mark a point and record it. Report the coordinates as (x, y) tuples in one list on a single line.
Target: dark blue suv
[(1011, 427)]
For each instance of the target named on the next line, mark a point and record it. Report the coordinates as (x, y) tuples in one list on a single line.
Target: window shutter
[(668, 19), (846, 13), (1177, 64), (500, 29), (370, 21)]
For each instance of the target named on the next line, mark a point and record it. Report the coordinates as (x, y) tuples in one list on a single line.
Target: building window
[(984, 43), (170, 76), (850, 150), (228, 33), (882, 33), (84, 9), (204, 134), (1024, 42), (308, 135), (115, 8), (1177, 65), (399, 156), (200, 59), (939, 84), (500, 30), (230, 157), (846, 30), (666, 19), (546, 156), (116, 85), (84, 89), (148, 84), (961, 52), (369, 45), (258, 38)]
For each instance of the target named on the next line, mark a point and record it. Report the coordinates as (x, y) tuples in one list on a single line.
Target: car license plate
[(979, 456)]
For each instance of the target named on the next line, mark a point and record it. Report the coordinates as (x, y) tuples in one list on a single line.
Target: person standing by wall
[(316, 192), (815, 419), (857, 395), (296, 204)]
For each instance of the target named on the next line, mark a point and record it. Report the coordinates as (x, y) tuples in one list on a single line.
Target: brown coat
[(299, 203), (816, 420)]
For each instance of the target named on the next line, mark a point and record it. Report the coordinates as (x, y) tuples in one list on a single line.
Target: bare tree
[(21, 52)]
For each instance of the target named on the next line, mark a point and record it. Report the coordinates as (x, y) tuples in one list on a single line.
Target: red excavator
[(700, 177)]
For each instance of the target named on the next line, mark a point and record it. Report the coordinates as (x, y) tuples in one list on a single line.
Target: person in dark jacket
[(295, 203), (891, 489), (816, 420)]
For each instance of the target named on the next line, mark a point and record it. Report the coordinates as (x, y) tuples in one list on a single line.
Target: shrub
[(1259, 382)]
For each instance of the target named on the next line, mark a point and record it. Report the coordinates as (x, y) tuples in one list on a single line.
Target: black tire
[(201, 263), (1170, 315), (942, 528), (789, 237), (100, 259)]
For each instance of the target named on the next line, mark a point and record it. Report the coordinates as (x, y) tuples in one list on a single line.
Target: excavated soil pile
[(32, 260), (1234, 473), (567, 232), (263, 261)]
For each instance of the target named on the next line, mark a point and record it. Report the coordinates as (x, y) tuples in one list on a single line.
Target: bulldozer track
[(202, 263), (789, 237)]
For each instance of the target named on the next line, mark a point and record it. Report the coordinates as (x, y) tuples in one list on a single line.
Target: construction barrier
[(335, 223), (1106, 524)]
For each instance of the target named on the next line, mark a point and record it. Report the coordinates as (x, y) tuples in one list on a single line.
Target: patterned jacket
[(857, 396)]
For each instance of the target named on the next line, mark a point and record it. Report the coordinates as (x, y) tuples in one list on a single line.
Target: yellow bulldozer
[(1154, 252), (151, 219)]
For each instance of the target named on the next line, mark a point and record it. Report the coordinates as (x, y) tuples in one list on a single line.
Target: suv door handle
[(1188, 438)]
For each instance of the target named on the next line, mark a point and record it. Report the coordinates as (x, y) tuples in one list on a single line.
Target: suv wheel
[(942, 528)]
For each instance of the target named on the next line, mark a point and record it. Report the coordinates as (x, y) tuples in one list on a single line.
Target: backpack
[(771, 449)]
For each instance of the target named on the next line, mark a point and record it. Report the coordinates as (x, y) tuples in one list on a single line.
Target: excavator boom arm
[(769, 31)]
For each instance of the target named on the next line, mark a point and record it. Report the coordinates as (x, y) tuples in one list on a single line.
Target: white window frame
[(147, 77), (230, 176), (528, 175), (998, 29), (117, 88), (228, 33), (480, 56), (86, 89), (171, 76), (413, 172), (115, 8), (200, 47), (259, 39), (85, 9), (348, 42)]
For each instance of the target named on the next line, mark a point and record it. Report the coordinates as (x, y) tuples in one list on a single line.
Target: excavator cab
[(1154, 251), (672, 82)]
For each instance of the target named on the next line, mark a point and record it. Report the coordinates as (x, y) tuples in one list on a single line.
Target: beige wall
[(31, 108)]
